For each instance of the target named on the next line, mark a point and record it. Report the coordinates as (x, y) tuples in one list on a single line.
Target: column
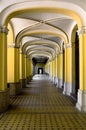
[(81, 102), (4, 92), (57, 69), (51, 70), (16, 67), (60, 69), (30, 68), (67, 71), (54, 70), (23, 70), (27, 70), (16, 85)]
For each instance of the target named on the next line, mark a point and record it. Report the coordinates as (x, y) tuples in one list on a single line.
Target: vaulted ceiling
[(44, 33)]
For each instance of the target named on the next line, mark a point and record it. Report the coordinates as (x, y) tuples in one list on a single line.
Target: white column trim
[(81, 102), (82, 30)]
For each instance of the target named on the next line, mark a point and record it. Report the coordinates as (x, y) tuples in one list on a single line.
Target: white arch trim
[(41, 42), (35, 32), (42, 48), (40, 53)]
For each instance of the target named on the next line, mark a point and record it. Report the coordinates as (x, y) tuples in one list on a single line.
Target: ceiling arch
[(36, 53), (40, 42), (39, 33), (41, 48), (70, 9)]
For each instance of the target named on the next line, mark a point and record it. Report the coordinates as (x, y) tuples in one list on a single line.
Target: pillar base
[(23, 83), (60, 83), (51, 78), (57, 82), (67, 88), (81, 103), (4, 100), (29, 78), (15, 88)]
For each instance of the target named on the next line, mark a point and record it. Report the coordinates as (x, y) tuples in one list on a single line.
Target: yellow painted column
[(56, 65), (3, 57), (67, 79), (23, 66), (28, 71), (27, 67), (82, 59), (20, 65), (30, 67), (10, 64), (57, 71), (23, 69), (17, 64), (81, 102), (60, 69), (54, 68), (51, 68), (13, 72), (4, 91)]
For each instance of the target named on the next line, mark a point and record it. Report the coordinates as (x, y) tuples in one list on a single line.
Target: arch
[(30, 33), (58, 31), (66, 8), (40, 53), (39, 42), (41, 48)]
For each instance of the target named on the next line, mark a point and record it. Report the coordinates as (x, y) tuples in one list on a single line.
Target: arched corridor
[(42, 106), (43, 49)]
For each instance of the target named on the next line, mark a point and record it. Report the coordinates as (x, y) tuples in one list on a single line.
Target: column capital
[(82, 30), (68, 45), (11, 45), (61, 52), (4, 29)]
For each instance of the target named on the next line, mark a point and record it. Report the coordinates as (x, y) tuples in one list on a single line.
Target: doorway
[(40, 70)]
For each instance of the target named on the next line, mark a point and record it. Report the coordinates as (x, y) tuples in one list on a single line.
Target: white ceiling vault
[(41, 34)]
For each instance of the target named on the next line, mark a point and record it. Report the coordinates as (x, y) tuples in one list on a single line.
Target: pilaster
[(4, 92), (68, 73), (81, 102)]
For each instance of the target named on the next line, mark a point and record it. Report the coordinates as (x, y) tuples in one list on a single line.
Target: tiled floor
[(41, 106)]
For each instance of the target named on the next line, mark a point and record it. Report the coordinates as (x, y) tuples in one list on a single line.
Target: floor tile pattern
[(41, 106)]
